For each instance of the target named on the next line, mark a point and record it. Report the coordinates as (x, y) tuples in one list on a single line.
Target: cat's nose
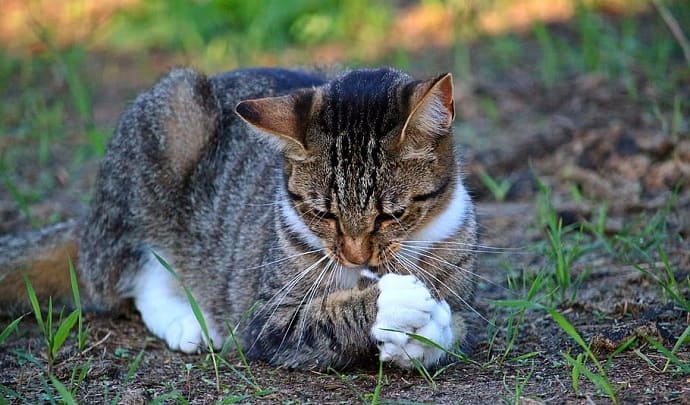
[(356, 250)]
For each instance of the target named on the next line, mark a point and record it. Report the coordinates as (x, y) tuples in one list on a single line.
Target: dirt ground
[(583, 133)]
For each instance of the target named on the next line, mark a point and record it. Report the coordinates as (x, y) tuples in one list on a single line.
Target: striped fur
[(276, 187)]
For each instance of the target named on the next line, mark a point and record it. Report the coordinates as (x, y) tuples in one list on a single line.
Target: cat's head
[(369, 159)]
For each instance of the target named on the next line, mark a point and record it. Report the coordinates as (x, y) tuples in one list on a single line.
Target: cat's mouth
[(372, 264)]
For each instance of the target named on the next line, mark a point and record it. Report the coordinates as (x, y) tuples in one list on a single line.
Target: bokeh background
[(68, 68)]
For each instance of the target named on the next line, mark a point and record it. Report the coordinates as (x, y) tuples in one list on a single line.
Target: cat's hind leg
[(168, 313)]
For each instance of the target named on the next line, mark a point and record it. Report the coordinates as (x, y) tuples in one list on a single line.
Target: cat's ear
[(281, 119), (431, 110)]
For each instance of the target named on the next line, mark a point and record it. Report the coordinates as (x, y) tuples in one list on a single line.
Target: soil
[(587, 141)]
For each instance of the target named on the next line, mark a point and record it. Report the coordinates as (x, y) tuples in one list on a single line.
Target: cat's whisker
[(454, 249), (411, 266), (333, 275), (277, 299), (430, 255), (307, 301), (451, 275), (473, 245), (450, 290), (280, 296)]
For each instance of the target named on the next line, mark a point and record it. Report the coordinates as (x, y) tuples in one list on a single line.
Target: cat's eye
[(383, 217)]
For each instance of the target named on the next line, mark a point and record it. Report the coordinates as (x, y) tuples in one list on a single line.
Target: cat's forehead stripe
[(360, 114)]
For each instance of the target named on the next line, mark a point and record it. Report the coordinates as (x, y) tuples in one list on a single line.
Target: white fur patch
[(366, 273), (297, 225), (167, 313), (405, 305), (450, 220)]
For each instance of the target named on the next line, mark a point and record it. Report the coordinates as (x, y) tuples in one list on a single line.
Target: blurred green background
[(67, 68)]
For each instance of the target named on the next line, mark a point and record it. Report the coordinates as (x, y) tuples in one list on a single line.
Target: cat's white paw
[(405, 305), (169, 315)]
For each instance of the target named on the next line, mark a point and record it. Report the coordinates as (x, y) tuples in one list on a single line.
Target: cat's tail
[(43, 256)]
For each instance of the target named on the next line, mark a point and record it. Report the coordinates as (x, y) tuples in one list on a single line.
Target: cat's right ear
[(281, 119), (431, 111)]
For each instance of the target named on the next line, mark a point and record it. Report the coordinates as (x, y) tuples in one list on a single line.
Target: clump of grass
[(516, 319), (562, 249), (499, 188), (550, 63), (54, 335), (667, 280), (600, 377), (520, 384)]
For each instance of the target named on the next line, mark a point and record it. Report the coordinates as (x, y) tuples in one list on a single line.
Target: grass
[(57, 332), (519, 388), (563, 247), (54, 337), (641, 240), (499, 188), (9, 329), (599, 378)]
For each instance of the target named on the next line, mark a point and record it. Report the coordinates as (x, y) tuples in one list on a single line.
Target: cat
[(325, 220)]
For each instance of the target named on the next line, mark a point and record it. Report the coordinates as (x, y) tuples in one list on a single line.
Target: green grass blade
[(63, 331), (379, 384), (133, 367), (197, 314), (683, 366), (600, 381), (34, 303), (8, 393), (192, 301), (424, 373), (67, 397), (9, 329), (684, 338), (74, 283), (251, 380), (575, 376)]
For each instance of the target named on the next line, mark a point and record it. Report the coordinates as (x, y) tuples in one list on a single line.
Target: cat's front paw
[(405, 306)]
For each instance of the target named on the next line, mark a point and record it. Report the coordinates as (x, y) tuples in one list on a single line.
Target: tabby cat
[(324, 220)]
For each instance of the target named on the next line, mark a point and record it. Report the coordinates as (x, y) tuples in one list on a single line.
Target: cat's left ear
[(431, 109), (281, 119)]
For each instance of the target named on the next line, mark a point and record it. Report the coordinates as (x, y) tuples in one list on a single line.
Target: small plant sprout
[(499, 188), (54, 338)]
